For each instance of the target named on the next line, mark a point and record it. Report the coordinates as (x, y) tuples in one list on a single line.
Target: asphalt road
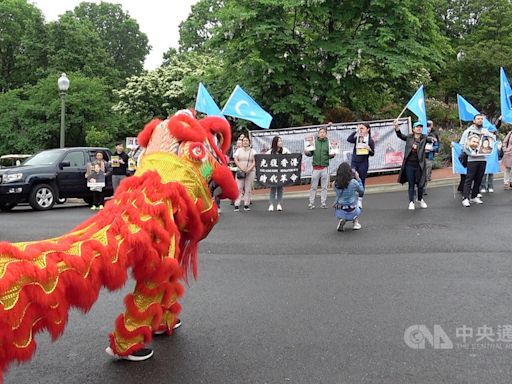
[(285, 298)]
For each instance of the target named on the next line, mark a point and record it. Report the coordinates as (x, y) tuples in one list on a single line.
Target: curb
[(372, 189)]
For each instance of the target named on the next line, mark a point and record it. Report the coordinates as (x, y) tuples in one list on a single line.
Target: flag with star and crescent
[(243, 106)]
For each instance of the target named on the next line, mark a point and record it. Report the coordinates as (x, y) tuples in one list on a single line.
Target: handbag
[(240, 175)]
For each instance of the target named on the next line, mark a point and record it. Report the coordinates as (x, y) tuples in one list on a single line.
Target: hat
[(417, 124)]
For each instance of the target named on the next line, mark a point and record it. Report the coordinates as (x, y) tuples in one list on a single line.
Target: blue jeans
[(276, 195), (413, 174), (348, 216)]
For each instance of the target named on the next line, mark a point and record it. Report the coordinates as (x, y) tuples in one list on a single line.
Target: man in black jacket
[(119, 165)]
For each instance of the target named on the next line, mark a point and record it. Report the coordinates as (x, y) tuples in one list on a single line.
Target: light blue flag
[(492, 166), (417, 106), (457, 166), (505, 97), (205, 103), (467, 113), (241, 105)]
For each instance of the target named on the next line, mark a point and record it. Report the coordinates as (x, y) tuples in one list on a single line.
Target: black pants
[(476, 172), (413, 176), (362, 168), (97, 198), (460, 188)]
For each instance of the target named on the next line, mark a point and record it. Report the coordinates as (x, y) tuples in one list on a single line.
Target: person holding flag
[(364, 147), (414, 165)]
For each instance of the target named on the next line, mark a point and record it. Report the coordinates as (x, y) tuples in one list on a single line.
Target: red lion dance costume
[(152, 225)]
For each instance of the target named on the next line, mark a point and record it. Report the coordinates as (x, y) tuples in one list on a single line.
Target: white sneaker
[(356, 226), (482, 190), (360, 202), (477, 200), (279, 207), (423, 204), (479, 195), (411, 206), (491, 190), (341, 223), (140, 355), (271, 208), (311, 206), (466, 203)]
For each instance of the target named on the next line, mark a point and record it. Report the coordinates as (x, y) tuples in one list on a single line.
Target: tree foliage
[(120, 35), (22, 44)]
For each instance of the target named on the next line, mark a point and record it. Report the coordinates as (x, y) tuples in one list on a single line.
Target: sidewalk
[(374, 184)]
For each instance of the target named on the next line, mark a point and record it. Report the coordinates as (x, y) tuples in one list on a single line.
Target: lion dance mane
[(152, 226)]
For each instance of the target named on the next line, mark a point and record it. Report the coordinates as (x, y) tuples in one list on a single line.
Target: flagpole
[(401, 113)]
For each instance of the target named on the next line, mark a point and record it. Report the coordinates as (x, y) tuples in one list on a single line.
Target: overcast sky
[(158, 19)]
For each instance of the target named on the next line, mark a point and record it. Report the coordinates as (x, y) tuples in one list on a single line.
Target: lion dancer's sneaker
[(140, 355), (163, 330)]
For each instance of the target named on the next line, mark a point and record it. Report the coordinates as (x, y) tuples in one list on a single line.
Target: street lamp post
[(63, 84)]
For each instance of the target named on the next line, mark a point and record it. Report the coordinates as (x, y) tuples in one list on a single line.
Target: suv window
[(76, 159)]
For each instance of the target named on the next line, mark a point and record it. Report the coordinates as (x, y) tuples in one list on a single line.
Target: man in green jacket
[(321, 159)]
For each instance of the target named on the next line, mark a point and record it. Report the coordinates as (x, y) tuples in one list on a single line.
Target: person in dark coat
[(414, 165)]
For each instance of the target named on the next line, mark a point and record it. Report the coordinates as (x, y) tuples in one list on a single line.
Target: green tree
[(74, 46), (22, 44), (167, 89), (197, 29), (484, 44), (120, 35), (301, 59), (30, 117)]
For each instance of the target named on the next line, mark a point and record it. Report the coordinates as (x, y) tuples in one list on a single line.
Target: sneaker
[(271, 208), (483, 190), (279, 207), (356, 226), (323, 206), (340, 225), (93, 208), (219, 211), (163, 329), (411, 206), (423, 204), (100, 207), (479, 195), (360, 202), (477, 200), (140, 355), (237, 208), (311, 206), (491, 190), (466, 203), (247, 208)]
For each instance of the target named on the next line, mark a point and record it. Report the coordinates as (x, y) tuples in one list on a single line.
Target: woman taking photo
[(244, 160), (276, 193), (364, 147), (347, 185), (414, 165)]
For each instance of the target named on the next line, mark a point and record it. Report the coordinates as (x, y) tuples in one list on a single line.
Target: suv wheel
[(42, 197), (6, 206)]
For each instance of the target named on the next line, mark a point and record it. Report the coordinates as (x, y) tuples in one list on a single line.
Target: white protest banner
[(388, 147)]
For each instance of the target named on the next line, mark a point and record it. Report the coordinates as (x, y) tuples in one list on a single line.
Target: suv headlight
[(12, 177)]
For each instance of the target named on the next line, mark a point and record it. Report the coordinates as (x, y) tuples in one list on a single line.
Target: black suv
[(49, 176)]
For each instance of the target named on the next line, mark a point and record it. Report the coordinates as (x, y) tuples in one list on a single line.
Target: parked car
[(49, 177), (7, 161)]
